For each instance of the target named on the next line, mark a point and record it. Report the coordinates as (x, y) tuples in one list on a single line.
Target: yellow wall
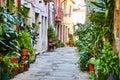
[(67, 20)]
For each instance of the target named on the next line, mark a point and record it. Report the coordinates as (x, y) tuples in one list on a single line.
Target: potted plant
[(25, 41), (27, 49), (7, 66), (23, 65), (71, 40), (14, 58), (52, 38), (51, 32), (93, 62), (109, 62), (34, 32), (62, 44)]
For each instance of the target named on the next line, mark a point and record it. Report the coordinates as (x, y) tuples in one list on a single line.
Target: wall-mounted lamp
[(40, 1), (39, 22)]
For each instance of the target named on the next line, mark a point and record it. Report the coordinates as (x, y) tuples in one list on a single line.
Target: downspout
[(48, 13), (18, 2)]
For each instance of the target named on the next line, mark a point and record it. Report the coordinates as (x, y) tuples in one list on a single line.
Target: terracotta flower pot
[(54, 42), (91, 67), (25, 57), (22, 67), (26, 66), (50, 40), (24, 52), (15, 61)]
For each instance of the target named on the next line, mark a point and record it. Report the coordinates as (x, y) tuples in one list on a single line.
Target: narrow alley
[(60, 64)]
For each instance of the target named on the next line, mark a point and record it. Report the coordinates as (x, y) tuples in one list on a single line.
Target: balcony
[(59, 15)]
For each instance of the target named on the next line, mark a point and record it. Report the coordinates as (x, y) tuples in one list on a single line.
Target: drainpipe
[(48, 13), (18, 2)]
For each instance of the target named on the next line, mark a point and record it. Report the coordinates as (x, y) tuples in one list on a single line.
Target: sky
[(79, 17), (79, 2)]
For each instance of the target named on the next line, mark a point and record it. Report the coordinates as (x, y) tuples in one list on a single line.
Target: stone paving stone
[(58, 65)]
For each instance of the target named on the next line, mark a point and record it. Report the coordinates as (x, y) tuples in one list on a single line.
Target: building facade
[(63, 18), (58, 18), (37, 14), (51, 13), (67, 23)]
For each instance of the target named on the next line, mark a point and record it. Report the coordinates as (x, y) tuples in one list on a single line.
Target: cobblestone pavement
[(58, 65)]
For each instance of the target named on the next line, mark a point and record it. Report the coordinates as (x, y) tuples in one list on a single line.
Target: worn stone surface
[(58, 65)]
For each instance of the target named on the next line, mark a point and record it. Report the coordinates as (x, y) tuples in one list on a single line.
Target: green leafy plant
[(83, 60), (51, 34), (8, 35), (22, 12), (51, 31), (89, 41), (106, 63), (25, 42), (109, 62), (6, 64), (99, 26), (94, 61), (71, 40), (58, 44), (24, 39), (62, 44), (92, 75), (102, 12)]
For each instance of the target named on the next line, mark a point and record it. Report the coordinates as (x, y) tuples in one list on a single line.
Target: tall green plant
[(8, 35), (89, 43), (100, 26), (102, 13), (25, 40), (109, 62), (51, 33), (90, 38)]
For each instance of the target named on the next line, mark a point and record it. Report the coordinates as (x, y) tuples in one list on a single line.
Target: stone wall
[(117, 27)]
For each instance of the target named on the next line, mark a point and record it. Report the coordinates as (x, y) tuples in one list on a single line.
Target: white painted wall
[(51, 13), (42, 9)]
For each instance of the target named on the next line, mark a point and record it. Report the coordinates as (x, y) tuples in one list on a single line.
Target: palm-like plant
[(102, 13), (8, 35)]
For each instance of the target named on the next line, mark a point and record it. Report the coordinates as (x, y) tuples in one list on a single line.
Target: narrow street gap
[(60, 64)]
